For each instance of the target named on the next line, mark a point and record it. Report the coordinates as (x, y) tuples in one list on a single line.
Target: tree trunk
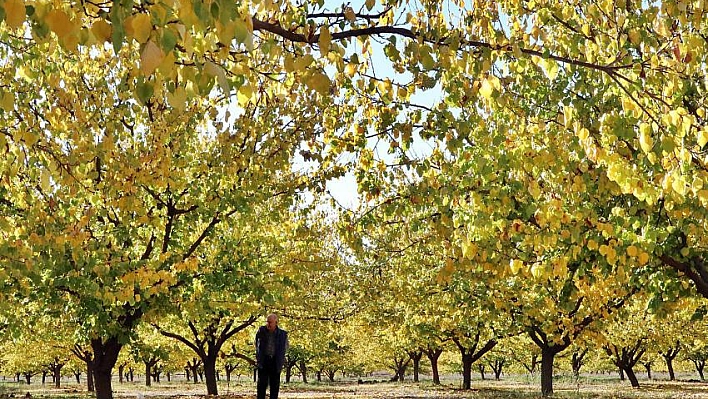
[(670, 367), (497, 365), (28, 378), (621, 373), (303, 370), (416, 356), (433, 355), (105, 356), (78, 377), (700, 370), (121, 369), (481, 369), (229, 369), (288, 372), (647, 366), (547, 358), (632, 377), (669, 357), (466, 372), (195, 374), (210, 375), (148, 371), (44, 376), (57, 375)]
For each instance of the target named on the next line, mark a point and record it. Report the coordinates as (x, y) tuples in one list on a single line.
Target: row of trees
[(636, 342), (529, 168)]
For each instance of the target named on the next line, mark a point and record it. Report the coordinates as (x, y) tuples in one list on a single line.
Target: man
[(271, 345)]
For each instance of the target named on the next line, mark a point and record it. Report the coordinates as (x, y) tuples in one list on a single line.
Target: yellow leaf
[(325, 39), (225, 33), (537, 270), (319, 82), (8, 101), (178, 99), (370, 4), (486, 90), (289, 63), (350, 70), (141, 27), (703, 137), (59, 22), (244, 95), (632, 251), (469, 249), (515, 265), (303, 62), (44, 181), (101, 30), (645, 139), (550, 68), (14, 13), (150, 58)]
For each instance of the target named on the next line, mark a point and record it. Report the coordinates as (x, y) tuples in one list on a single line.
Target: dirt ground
[(509, 388)]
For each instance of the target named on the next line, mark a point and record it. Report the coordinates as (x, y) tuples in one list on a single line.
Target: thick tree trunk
[(547, 359), (105, 356), (466, 372), (210, 375), (28, 378), (632, 377)]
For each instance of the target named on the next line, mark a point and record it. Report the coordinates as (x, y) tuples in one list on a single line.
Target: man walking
[(271, 345)]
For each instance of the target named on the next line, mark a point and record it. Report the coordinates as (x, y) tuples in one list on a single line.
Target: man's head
[(272, 322)]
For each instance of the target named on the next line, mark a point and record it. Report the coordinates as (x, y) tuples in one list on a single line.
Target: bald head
[(272, 322)]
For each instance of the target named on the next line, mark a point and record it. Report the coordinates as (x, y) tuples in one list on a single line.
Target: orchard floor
[(594, 387)]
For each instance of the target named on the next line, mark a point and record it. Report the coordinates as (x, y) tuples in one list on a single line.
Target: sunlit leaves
[(14, 13)]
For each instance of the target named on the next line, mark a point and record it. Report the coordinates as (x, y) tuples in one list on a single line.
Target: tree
[(132, 207)]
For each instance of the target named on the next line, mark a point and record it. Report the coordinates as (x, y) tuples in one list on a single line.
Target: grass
[(512, 387)]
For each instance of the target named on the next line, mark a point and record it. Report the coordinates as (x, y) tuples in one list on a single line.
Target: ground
[(519, 387)]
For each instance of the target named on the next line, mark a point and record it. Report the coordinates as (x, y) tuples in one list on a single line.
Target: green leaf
[(144, 90), (168, 41), (118, 33)]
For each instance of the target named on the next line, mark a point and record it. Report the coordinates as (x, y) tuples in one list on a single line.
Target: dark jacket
[(281, 346)]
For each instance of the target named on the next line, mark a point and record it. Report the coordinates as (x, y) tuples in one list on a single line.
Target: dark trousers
[(268, 374)]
